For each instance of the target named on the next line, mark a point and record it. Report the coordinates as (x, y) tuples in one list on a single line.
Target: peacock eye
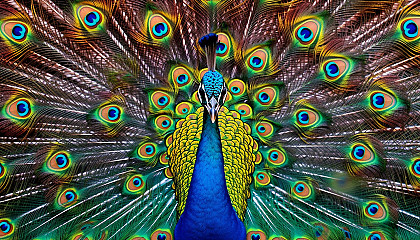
[(262, 178), (161, 235), (307, 32), (306, 117), (244, 109), (6, 228), (376, 236), (19, 109), (67, 198), (415, 167), (276, 157), (410, 28), (2, 170), (223, 46), (135, 184), (256, 235), (59, 161), (163, 122), (301, 190), (335, 68), (181, 77), (258, 60), (381, 100), (147, 150), (160, 99), (15, 31), (110, 113), (266, 96), (90, 17), (375, 211), (183, 108), (159, 26), (361, 153), (236, 87)]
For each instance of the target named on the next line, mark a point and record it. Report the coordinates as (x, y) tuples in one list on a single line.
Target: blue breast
[(209, 213)]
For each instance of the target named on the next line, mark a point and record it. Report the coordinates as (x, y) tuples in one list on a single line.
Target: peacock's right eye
[(15, 31)]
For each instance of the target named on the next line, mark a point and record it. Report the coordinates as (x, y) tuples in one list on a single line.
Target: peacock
[(209, 119)]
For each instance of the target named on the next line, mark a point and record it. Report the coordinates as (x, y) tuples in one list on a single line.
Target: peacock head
[(212, 93)]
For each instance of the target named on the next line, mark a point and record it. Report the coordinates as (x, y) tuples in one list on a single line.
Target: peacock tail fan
[(102, 114)]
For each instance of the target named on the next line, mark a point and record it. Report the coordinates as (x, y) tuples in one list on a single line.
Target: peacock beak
[(213, 108)]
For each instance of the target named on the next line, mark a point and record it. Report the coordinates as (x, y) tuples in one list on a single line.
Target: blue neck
[(208, 212)]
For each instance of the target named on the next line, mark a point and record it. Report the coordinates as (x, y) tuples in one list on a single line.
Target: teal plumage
[(191, 119)]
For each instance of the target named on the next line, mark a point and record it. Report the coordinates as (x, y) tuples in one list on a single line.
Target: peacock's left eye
[(375, 211), (89, 16), (110, 113), (15, 31), (59, 161), (67, 198), (158, 26), (410, 28), (6, 227), (335, 68), (361, 153), (306, 117), (20, 108), (257, 60), (381, 100)]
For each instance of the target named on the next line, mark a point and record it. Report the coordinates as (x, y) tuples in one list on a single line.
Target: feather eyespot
[(256, 235), (90, 17), (135, 184), (302, 190), (6, 227), (258, 60), (3, 170), (375, 211), (16, 31), (361, 153), (415, 168), (163, 122), (307, 32), (223, 46), (67, 198), (266, 96), (19, 109), (160, 99), (306, 117), (262, 178), (322, 231), (236, 87), (161, 235), (110, 113), (346, 233), (181, 77), (244, 109), (183, 109), (376, 236), (265, 129), (158, 26), (147, 150), (335, 68), (381, 100), (410, 28), (276, 157), (60, 161)]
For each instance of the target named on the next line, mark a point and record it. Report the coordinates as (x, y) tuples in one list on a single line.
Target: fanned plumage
[(191, 119)]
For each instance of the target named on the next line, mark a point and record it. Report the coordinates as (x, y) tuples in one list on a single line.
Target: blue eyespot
[(5, 227), (305, 34), (163, 101), (161, 236), (410, 29), (318, 231), (332, 69), (92, 19), (274, 156), (347, 234), (300, 187), (221, 48), (150, 150), (61, 160), (18, 31), (242, 112), (264, 97), (184, 110), (23, 108), (137, 182), (235, 89), (165, 123), (70, 196), (378, 100), (417, 167), (113, 113), (303, 117), (376, 237), (359, 152), (256, 62), (261, 129), (182, 78), (255, 237), (373, 209), (160, 29), (261, 176)]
